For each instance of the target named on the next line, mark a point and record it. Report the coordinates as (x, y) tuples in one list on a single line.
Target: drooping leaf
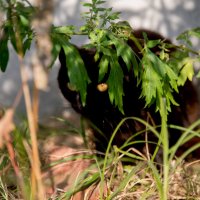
[(54, 54), (61, 35), (106, 51), (9, 31), (115, 84), (173, 77), (127, 55), (151, 83), (169, 96), (156, 62), (27, 44), (163, 69), (76, 70), (158, 80), (125, 52), (103, 66)]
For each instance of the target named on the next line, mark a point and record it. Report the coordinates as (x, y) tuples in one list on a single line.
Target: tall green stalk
[(165, 141)]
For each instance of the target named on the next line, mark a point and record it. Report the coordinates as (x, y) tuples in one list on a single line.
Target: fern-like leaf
[(76, 70)]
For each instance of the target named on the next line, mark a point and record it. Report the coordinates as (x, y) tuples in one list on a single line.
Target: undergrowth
[(117, 174), (108, 175)]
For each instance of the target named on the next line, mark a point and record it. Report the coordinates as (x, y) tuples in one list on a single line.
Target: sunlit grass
[(121, 173)]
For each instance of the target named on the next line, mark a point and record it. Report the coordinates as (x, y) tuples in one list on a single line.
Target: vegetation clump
[(120, 58)]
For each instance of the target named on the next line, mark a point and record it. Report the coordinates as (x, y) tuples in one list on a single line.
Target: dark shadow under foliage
[(106, 117)]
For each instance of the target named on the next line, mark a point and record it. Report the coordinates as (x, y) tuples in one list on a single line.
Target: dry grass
[(69, 171)]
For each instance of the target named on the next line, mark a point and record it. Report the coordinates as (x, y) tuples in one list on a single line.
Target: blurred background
[(168, 17)]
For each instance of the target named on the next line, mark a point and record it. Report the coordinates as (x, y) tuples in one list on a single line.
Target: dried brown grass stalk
[(36, 171), (41, 23), (6, 127)]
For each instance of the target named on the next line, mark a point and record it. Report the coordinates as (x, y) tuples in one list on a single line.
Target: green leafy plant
[(159, 76), (15, 11)]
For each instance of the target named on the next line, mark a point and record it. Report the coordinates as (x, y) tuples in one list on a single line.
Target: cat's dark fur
[(106, 117)]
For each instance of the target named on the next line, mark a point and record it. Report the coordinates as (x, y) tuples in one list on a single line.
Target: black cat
[(106, 117)]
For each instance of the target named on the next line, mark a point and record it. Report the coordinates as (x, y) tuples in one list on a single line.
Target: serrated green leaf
[(96, 56), (100, 9), (125, 51), (185, 37), (163, 55), (114, 16), (100, 2), (68, 30), (10, 32), (187, 72), (54, 52), (76, 70), (194, 32), (136, 67), (106, 51), (87, 4), (101, 36), (95, 10), (156, 62), (173, 77), (83, 28), (128, 57), (89, 46), (115, 84), (163, 69), (144, 34), (152, 43), (158, 81), (58, 37), (93, 37), (169, 98), (27, 44), (151, 83), (24, 21), (103, 67), (4, 53)]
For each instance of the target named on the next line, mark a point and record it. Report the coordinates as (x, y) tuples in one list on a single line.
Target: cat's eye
[(102, 87)]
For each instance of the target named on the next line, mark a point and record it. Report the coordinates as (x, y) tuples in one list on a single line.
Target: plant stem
[(165, 141), (39, 194), (33, 134), (136, 41), (35, 105)]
